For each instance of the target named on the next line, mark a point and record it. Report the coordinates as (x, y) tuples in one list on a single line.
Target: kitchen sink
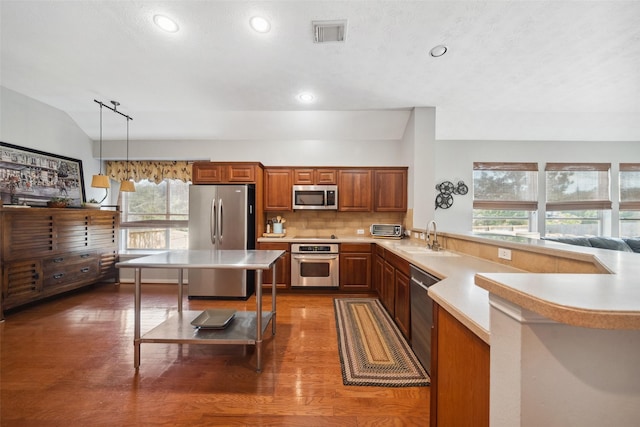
[(422, 250)]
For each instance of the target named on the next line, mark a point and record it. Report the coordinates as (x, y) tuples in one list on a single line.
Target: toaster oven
[(388, 231)]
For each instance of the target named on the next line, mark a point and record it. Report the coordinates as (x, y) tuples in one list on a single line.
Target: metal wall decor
[(447, 189)]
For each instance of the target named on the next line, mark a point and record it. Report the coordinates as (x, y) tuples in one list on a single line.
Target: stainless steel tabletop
[(234, 259)]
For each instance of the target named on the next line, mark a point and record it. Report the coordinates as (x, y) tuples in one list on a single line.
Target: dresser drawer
[(56, 262), (70, 267), (70, 273)]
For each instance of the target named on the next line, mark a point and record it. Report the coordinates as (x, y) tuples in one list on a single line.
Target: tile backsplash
[(341, 224)]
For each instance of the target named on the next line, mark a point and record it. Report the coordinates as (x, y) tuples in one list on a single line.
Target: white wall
[(32, 124), (269, 152), (419, 151)]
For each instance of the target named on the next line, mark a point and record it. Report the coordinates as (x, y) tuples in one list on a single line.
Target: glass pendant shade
[(127, 186)]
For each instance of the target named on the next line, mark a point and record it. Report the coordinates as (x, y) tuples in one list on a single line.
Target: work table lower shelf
[(178, 329)]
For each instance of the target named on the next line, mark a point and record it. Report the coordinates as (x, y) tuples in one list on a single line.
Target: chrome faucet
[(434, 246)]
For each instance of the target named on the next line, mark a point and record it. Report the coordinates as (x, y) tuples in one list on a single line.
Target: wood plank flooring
[(69, 362)]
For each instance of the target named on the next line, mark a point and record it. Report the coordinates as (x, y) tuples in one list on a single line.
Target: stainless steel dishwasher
[(421, 315)]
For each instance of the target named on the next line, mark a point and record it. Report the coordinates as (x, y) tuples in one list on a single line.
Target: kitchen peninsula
[(564, 333), (562, 324)]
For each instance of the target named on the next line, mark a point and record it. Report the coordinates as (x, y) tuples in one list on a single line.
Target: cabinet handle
[(85, 255), (58, 276), (84, 270), (58, 259)]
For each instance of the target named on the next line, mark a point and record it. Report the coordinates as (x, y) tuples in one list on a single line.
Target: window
[(629, 199), (578, 201), (156, 216), (505, 197)]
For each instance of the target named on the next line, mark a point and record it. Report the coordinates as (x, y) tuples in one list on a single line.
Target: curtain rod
[(102, 104)]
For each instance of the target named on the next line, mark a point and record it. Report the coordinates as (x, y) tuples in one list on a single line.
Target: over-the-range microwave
[(318, 197)]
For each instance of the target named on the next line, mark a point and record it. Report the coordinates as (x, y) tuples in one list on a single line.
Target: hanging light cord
[(101, 138), (127, 148)]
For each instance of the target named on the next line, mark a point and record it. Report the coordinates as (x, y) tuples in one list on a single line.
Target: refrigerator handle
[(221, 221), (213, 221)]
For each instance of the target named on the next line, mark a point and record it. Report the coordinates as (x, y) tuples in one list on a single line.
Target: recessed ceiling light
[(306, 97), (438, 51), (165, 23), (260, 24)]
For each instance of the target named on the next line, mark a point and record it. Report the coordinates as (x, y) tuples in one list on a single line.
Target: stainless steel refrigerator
[(221, 217)]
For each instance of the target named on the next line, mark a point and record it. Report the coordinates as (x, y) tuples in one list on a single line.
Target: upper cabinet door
[(207, 173), (278, 189), (326, 177), (303, 176), (390, 190), (241, 173), (221, 173), (312, 176), (354, 190)]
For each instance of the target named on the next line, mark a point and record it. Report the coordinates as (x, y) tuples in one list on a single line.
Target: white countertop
[(456, 291)]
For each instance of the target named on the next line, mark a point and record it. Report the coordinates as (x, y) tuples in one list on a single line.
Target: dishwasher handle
[(419, 283)]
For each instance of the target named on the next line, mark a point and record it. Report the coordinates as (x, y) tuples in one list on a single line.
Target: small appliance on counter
[(386, 231)]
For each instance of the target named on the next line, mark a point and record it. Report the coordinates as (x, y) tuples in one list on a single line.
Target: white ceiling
[(218, 79)]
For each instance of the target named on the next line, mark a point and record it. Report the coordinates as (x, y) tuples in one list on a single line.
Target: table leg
[(180, 280), (258, 320), (273, 300), (136, 321)]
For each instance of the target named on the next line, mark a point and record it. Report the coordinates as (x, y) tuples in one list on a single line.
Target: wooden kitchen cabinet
[(388, 292), (226, 172), (390, 190), (283, 266), (378, 270), (278, 189), (49, 251), (315, 176), (402, 303), (355, 190), (355, 266), (392, 282), (459, 374)]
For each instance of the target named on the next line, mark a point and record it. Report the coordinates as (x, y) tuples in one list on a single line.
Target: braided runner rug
[(372, 350)]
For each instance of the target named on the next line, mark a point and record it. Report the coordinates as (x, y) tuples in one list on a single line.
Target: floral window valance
[(154, 171)]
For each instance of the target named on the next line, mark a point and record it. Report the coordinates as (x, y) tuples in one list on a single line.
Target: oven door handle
[(315, 257)]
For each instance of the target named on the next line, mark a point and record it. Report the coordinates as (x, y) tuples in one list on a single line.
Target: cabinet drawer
[(71, 273), (63, 260), (355, 247)]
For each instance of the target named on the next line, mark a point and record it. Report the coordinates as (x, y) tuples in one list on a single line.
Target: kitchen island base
[(245, 328)]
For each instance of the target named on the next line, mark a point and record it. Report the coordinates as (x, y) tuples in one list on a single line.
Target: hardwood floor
[(69, 362)]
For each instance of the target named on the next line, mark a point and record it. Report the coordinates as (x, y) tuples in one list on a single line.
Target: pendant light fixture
[(126, 185), (100, 180)]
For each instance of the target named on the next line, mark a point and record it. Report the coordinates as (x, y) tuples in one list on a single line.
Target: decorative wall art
[(447, 189), (32, 177)]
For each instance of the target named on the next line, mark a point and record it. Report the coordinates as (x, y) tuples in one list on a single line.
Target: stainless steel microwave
[(318, 197)]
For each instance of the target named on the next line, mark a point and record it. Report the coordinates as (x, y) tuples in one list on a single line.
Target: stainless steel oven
[(315, 265)]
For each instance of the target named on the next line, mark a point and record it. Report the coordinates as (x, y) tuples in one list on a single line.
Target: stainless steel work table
[(246, 328)]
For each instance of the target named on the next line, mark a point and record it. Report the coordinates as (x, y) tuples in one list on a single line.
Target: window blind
[(577, 186)]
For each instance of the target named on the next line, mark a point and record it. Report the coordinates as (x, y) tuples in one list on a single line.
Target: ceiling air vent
[(329, 31)]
